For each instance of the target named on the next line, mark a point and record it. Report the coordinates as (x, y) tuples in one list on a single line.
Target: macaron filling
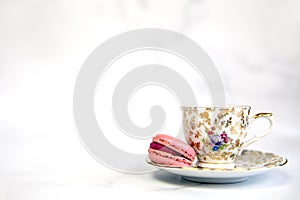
[(160, 147)]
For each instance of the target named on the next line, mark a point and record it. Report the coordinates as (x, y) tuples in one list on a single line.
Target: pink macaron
[(171, 151)]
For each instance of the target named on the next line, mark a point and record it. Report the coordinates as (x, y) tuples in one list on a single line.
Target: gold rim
[(225, 107)]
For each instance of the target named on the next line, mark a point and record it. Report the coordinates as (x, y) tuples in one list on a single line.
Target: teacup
[(218, 134)]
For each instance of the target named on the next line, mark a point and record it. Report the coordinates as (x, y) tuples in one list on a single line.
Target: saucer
[(249, 163)]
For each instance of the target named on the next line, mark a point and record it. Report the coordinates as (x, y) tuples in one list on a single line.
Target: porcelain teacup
[(218, 134)]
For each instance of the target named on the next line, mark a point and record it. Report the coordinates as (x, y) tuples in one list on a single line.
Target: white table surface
[(47, 168)]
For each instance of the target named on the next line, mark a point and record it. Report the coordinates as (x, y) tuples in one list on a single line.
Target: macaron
[(167, 150)]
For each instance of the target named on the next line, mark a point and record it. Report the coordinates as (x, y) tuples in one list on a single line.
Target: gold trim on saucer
[(248, 160)]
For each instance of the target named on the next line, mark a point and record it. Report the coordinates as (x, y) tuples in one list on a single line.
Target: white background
[(254, 44)]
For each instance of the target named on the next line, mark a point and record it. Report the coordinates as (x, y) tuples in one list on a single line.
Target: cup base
[(217, 165)]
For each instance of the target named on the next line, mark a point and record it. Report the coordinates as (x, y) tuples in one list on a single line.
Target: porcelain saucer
[(249, 163)]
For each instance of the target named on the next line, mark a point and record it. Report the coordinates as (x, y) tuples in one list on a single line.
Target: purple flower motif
[(218, 142), (214, 138)]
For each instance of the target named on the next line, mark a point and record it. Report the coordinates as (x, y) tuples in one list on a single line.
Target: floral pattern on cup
[(217, 141), (216, 133)]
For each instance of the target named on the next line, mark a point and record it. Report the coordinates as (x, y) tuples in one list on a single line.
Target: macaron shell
[(168, 159), (176, 145)]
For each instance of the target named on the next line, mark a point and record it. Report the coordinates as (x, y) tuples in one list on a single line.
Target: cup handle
[(269, 117)]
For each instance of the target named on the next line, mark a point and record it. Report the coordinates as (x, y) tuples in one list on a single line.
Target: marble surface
[(52, 170), (254, 44)]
